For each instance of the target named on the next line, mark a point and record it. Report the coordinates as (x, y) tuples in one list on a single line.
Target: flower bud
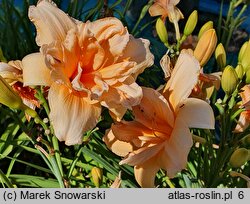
[(242, 51), (191, 23), (2, 58), (248, 76), (97, 176), (244, 56), (206, 46), (239, 157), (207, 26), (239, 71), (229, 80), (246, 141), (9, 97), (220, 56), (161, 31)]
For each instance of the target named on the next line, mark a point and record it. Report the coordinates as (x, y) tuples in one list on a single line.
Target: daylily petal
[(145, 173), (126, 94), (245, 96), (94, 54), (154, 111), (157, 10), (110, 29), (71, 114), (120, 148), (118, 70), (137, 50), (130, 93), (180, 85), (11, 73), (51, 23), (197, 114), (174, 157), (116, 111), (142, 155), (35, 71), (243, 121), (129, 131)]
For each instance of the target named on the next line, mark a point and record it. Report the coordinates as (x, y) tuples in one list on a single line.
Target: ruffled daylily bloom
[(86, 65), (159, 137), (244, 120)]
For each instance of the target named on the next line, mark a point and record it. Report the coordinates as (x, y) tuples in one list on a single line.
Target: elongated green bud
[(191, 23), (246, 141), (240, 71), (242, 51), (97, 176), (229, 80), (220, 56), (161, 31), (239, 157), (247, 76), (208, 25), (245, 59)]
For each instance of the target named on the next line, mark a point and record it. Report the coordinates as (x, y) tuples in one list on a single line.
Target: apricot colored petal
[(183, 79), (118, 70), (71, 53), (243, 121), (154, 110), (94, 53), (137, 50), (174, 157), (145, 173), (197, 114), (245, 96), (118, 147), (130, 93), (52, 24), (110, 29), (157, 10), (117, 111), (129, 131), (10, 73), (35, 71), (71, 114), (142, 155)]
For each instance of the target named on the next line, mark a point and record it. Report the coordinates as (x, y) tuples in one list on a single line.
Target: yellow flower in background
[(86, 65), (159, 136)]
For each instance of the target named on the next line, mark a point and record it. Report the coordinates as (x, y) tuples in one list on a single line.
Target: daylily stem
[(54, 139), (177, 30), (170, 184)]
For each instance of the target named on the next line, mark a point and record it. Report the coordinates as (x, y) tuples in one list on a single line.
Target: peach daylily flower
[(167, 8), (244, 120), (159, 136), (86, 65)]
